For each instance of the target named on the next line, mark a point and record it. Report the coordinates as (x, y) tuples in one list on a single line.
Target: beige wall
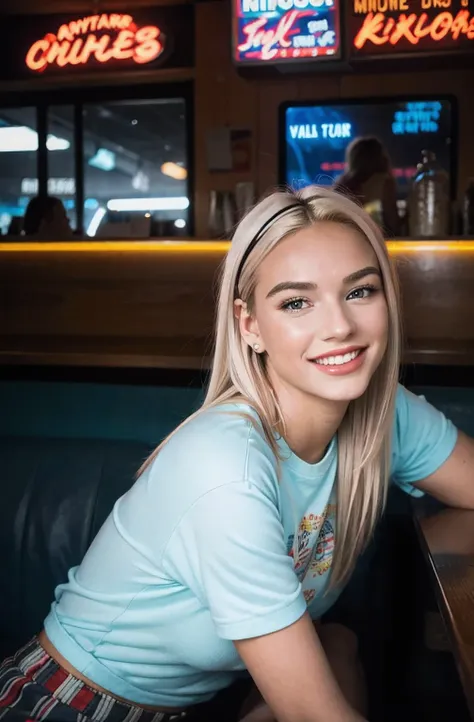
[(224, 98)]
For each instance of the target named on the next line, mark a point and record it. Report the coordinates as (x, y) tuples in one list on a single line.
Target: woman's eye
[(294, 304), (363, 292)]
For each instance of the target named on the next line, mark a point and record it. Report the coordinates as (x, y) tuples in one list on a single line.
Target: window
[(18, 166), (136, 169), (61, 162), (117, 158)]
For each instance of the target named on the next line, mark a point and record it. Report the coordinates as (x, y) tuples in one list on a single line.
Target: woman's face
[(320, 313)]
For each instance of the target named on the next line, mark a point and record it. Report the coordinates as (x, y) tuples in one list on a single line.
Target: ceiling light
[(177, 203), (20, 138), (95, 222), (173, 170)]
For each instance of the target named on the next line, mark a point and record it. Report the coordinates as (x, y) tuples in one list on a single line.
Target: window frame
[(78, 97)]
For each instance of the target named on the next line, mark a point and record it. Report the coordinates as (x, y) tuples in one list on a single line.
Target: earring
[(256, 346)]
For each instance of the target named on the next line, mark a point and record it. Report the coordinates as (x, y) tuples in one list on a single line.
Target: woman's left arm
[(453, 482)]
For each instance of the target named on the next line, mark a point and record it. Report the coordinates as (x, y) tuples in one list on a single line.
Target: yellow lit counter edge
[(190, 246)]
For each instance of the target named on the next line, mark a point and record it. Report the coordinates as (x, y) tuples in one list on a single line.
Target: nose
[(336, 322)]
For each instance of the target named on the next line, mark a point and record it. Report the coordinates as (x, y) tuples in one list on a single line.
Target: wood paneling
[(32, 7), (148, 307), (222, 96)]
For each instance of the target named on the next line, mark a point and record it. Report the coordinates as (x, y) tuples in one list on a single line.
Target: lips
[(338, 357)]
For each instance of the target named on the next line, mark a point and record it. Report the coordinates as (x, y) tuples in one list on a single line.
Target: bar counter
[(151, 304), (447, 543)]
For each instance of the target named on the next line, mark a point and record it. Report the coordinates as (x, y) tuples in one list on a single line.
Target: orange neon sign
[(384, 27), (378, 29), (102, 38)]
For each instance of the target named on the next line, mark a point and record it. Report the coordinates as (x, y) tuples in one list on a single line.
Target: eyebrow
[(309, 286)]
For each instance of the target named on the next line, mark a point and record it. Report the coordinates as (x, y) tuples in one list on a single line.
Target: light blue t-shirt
[(199, 553)]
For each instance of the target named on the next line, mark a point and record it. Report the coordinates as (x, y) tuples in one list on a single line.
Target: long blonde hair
[(238, 374)]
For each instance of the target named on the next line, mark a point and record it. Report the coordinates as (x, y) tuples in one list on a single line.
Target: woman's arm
[(453, 482), (294, 677)]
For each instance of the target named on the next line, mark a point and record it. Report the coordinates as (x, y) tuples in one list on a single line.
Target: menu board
[(392, 28), (277, 31)]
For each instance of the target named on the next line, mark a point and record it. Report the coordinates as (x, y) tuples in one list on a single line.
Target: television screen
[(285, 31), (314, 137)]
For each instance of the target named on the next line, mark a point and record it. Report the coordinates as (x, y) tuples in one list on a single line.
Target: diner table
[(446, 537)]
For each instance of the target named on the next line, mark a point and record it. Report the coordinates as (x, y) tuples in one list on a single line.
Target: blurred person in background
[(46, 219), (369, 178)]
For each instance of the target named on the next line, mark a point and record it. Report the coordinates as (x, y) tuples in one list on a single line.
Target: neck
[(310, 422)]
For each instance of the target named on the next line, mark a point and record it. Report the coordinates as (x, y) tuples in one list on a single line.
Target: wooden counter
[(447, 543), (151, 304)]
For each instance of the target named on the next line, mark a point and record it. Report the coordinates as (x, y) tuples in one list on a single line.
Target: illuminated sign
[(417, 117), (99, 38), (394, 27), (314, 131), (270, 31), (65, 45), (56, 186)]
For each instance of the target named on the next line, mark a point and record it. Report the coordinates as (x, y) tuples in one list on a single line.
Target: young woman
[(247, 521)]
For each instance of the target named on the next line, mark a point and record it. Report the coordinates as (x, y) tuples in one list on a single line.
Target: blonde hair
[(238, 374)]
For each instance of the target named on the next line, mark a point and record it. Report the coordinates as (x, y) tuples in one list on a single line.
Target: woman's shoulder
[(422, 436), (217, 445)]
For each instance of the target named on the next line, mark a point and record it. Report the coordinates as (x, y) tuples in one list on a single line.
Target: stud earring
[(256, 346)]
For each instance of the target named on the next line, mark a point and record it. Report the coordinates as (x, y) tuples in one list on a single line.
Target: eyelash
[(285, 306), (366, 287)]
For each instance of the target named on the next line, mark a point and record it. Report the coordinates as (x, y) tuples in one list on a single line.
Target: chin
[(342, 388), (344, 394)]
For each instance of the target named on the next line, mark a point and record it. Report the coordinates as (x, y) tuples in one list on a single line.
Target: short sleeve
[(229, 549), (423, 440)]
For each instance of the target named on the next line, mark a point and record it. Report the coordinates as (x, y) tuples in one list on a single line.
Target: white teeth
[(338, 360)]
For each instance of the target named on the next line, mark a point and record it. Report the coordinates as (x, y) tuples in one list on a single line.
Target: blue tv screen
[(314, 136)]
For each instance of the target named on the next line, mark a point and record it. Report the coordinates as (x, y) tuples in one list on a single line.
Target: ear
[(248, 325)]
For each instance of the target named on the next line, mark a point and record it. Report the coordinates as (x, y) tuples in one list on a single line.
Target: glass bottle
[(429, 199), (468, 209)]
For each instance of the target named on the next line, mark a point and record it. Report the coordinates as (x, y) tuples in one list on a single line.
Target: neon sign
[(100, 38), (417, 117), (388, 27), (267, 31)]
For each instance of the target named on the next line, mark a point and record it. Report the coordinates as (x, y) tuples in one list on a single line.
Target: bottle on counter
[(429, 199), (468, 209)]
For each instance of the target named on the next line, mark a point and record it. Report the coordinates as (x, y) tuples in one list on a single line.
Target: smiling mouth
[(338, 360)]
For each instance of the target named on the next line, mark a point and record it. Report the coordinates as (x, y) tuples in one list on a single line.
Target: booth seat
[(69, 450)]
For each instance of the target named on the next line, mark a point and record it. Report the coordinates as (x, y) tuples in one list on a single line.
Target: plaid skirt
[(34, 687)]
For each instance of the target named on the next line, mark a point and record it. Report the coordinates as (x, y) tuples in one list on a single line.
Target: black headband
[(259, 235)]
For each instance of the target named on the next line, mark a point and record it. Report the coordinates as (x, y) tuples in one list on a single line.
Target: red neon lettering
[(103, 23), (119, 22), (377, 29), (461, 24), (123, 46), (57, 53), (470, 30), (441, 26), (267, 39), (74, 55), (142, 45), (149, 47), (35, 58), (64, 33), (403, 29), (369, 32)]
